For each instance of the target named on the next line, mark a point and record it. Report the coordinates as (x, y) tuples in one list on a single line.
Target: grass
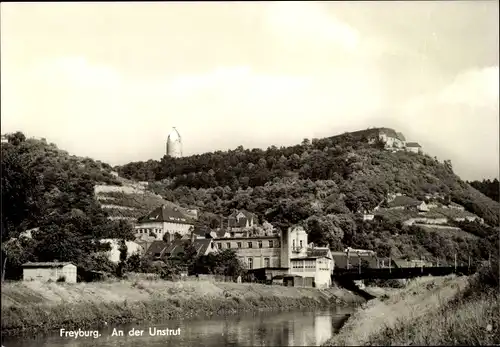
[(32, 307), (430, 311)]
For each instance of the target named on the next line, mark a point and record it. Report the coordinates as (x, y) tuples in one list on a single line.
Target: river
[(259, 329)]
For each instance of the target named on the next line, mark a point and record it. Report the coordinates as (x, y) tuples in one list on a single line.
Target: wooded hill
[(322, 184), (51, 193)]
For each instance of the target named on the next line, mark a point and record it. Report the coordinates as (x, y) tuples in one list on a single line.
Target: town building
[(164, 220), (49, 271), (286, 254), (174, 144), (413, 147), (255, 251), (239, 221)]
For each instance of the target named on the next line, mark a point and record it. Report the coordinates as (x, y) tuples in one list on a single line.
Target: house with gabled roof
[(164, 220), (176, 248), (413, 147), (403, 202), (241, 220)]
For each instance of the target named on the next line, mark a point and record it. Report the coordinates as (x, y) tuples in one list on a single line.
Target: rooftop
[(47, 264), (168, 214), (413, 144), (177, 247)]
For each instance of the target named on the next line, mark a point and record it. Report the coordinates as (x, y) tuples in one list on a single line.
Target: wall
[(53, 274), (413, 149), (286, 249), (161, 228), (412, 221), (319, 269), (69, 272)]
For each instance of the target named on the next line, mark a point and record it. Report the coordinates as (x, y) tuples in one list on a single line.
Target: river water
[(259, 329)]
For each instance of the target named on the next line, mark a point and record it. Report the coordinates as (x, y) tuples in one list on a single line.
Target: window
[(249, 245), (260, 244), (213, 246), (239, 244), (293, 244), (228, 245), (271, 244), (250, 263), (219, 245), (300, 243), (266, 262)]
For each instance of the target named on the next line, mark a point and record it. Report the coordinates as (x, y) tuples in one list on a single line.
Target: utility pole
[(390, 264), (359, 263), (348, 261), (421, 265), (468, 266), (455, 262)]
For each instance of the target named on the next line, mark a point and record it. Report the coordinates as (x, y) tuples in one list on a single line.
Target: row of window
[(249, 244), (147, 231), (305, 264), (267, 262)]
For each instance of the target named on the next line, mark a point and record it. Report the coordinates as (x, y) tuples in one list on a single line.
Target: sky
[(110, 80)]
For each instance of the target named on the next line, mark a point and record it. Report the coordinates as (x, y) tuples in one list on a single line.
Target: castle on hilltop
[(394, 141), (174, 144)]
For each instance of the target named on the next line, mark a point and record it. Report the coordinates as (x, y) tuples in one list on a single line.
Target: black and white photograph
[(261, 173)]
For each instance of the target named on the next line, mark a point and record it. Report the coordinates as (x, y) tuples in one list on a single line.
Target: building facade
[(174, 144), (413, 147), (255, 252), (287, 254), (164, 220), (52, 271)]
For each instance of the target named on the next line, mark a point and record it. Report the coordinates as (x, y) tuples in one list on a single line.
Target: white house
[(413, 147), (53, 271), (164, 220)]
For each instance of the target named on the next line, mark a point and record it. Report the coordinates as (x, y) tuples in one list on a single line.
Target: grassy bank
[(31, 307), (429, 311)]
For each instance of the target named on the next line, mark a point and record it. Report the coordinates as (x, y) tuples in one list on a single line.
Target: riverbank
[(429, 311), (32, 307)]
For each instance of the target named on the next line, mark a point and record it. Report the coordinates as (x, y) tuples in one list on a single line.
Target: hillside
[(50, 192), (322, 184)]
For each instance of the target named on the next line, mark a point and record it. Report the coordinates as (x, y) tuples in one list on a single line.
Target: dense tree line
[(51, 193), (490, 188)]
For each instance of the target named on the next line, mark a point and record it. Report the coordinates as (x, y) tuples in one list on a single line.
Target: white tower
[(174, 144)]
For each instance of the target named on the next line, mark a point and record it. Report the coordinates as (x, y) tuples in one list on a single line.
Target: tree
[(123, 258)]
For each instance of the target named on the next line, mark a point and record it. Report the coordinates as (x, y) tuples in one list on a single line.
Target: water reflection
[(264, 329)]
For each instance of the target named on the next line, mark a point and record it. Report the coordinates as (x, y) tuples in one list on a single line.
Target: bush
[(61, 279)]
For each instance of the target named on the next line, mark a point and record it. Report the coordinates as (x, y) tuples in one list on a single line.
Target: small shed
[(46, 271)]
